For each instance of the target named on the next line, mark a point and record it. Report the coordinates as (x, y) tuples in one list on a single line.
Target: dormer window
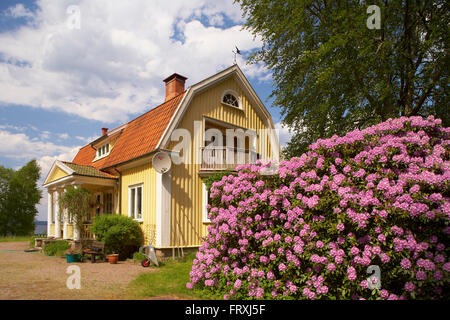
[(232, 99), (102, 151)]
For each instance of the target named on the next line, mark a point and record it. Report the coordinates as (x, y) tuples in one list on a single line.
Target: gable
[(55, 174), (152, 130), (241, 85)]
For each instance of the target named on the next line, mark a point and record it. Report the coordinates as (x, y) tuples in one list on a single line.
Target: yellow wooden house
[(215, 124)]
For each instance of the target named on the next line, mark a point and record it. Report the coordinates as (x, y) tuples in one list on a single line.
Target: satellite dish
[(161, 162)]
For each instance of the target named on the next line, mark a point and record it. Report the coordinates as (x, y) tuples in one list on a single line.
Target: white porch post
[(49, 211), (57, 216), (76, 230), (66, 222), (163, 211)]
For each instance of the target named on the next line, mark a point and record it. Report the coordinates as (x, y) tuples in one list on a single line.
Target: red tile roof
[(139, 137)]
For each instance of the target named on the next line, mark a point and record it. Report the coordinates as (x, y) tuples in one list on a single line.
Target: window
[(109, 203), (102, 151), (135, 202), (231, 98)]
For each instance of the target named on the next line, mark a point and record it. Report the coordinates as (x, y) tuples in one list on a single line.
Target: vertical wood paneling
[(187, 223), (146, 175)]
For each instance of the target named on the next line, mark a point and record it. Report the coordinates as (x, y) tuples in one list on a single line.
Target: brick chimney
[(104, 131), (174, 85)]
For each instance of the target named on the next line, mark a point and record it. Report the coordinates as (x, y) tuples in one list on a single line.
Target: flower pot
[(113, 258), (73, 258)]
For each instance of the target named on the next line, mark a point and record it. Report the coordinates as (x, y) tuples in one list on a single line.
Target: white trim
[(163, 208), (65, 221), (60, 165), (190, 93), (49, 211), (234, 94), (131, 187), (166, 130), (97, 157), (205, 195), (57, 215), (81, 180)]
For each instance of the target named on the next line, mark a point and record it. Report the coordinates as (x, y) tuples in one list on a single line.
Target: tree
[(77, 201), (333, 74), (19, 196)]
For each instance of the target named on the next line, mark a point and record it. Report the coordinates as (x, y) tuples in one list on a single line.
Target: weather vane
[(236, 52)]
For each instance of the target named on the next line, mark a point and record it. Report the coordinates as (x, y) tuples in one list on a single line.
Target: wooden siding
[(146, 175), (188, 227), (56, 174)]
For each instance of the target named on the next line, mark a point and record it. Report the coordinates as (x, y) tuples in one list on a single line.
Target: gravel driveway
[(36, 276)]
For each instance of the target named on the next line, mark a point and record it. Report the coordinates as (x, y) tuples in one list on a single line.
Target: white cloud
[(19, 11), (21, 147), (12, 127), (114, 64), (284, 133), (45, 135)]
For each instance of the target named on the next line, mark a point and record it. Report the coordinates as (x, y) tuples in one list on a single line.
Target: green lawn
[(168, 279), (14, 238)]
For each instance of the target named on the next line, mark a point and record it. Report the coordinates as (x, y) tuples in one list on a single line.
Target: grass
[(167, 280), (14, 238)]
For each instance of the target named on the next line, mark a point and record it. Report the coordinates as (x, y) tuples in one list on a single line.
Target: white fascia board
[(163, 140), (203, 85), (60, 165), (63, 167)]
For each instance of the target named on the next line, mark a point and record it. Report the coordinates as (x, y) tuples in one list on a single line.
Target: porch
[(103, 186), (68, 232)]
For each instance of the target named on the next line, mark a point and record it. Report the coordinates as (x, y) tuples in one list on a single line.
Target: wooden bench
[(96, 248)]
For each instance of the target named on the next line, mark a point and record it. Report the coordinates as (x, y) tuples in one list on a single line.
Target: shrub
[(379, 196), (121, 234), (138, 257), (56, 248)]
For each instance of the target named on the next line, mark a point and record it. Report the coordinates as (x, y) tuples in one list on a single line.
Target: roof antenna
[(236, 52)]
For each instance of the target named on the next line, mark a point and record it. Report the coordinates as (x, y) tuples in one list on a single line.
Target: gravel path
[(36, 276)]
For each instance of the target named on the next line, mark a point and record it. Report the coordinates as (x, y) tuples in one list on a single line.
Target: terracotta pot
[(113, 258)]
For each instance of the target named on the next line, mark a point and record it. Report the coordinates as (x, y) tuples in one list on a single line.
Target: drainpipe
[(120, 189)]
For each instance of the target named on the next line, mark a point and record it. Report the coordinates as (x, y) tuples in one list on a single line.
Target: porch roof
[(78, 174), (88, 171)]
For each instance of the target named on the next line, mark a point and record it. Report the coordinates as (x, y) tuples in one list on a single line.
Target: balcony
[(225, 158)]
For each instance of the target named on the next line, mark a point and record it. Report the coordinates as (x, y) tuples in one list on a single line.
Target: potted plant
[(113, 258), (73, 255)]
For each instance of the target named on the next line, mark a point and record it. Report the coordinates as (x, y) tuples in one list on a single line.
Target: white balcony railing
[(225, 158)]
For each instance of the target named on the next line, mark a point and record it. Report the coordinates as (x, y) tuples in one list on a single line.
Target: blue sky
[(66, 72)]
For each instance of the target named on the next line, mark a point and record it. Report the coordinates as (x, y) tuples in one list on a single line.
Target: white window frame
[(236, 95), (101, 152), (130, 214), (205, 197)]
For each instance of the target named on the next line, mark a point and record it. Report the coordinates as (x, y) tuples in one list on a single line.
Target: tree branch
[(426, 93)]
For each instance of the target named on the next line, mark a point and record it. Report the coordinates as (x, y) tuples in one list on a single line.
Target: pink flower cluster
[(378, 196)]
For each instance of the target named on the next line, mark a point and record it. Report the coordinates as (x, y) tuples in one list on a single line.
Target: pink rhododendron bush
[(379, 197)]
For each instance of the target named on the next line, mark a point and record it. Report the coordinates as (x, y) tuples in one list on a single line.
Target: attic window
[(102, 151), (230, 98)]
